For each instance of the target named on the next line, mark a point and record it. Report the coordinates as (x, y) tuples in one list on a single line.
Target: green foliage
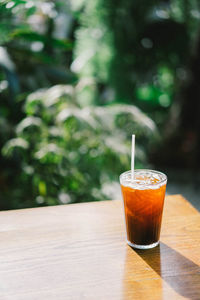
[(135, 51), (30, 32), (66, 134), (30, 35), (66, 153)]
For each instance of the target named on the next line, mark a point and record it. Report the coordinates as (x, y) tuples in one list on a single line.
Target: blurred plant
[(37, 35), (36, 42), (135, 51), (64, 153), (59, 149), (35, 51)]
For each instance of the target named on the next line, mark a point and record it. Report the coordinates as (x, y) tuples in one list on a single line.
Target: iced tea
[(143, 206)]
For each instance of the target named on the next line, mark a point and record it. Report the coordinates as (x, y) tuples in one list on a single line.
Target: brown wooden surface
[(79, 252)]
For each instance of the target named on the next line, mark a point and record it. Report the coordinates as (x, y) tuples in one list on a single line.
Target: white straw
[(133, 157)]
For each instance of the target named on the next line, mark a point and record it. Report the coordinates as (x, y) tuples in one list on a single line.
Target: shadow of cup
[(179, 272)]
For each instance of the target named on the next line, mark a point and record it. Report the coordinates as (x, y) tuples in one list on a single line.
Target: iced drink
[(143, 206)]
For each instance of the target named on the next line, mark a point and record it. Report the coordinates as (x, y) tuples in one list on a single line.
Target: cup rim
[(160, 182)]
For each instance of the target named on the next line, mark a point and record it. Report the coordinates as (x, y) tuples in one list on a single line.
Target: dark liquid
[(143, 214)]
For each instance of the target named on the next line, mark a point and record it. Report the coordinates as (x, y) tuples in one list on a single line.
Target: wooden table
[(79, 252)]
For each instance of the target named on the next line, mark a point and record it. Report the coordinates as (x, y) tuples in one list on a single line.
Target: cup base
[(142, 247)]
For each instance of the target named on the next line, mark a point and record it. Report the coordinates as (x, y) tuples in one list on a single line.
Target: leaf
[(42, 188), (27, 122), (30, 11), (16, 2), (4, 34), (32, 36), (14, 143), (53, 94), (49, 149)]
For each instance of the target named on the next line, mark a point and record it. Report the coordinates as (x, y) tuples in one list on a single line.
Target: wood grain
[(79, 252)]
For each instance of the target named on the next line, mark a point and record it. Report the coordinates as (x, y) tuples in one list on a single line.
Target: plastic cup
[(143, 200)]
